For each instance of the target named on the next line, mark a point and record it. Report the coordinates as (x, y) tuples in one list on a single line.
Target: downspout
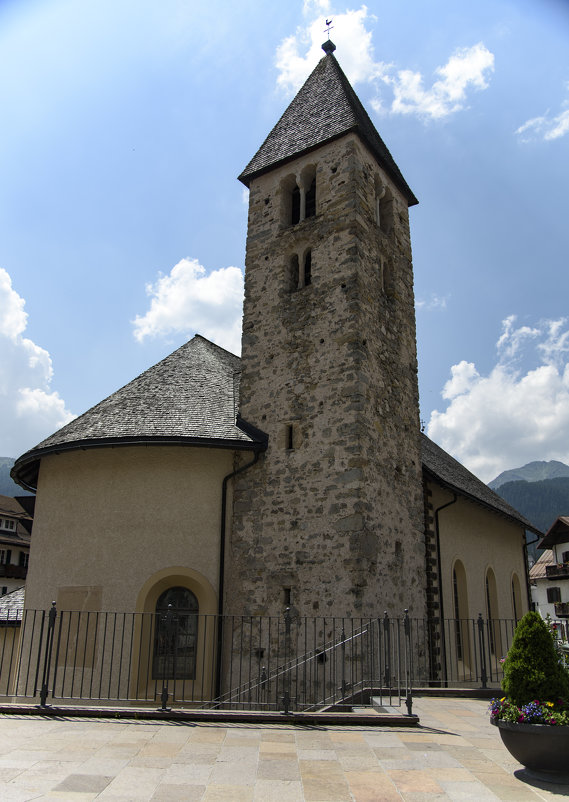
[(221, 585), (439, 569)]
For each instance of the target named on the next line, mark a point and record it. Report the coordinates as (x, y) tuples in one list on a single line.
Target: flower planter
[(543, 749)]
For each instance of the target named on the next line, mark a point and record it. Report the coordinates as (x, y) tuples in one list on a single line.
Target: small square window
[(553, 595)]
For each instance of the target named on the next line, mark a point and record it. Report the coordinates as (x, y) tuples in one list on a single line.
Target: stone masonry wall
[(335, 522)]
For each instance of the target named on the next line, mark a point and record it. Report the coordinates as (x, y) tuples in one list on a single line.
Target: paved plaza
[(454, 754)]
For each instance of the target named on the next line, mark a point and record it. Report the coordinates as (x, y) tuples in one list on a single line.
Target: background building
[(16, 518)]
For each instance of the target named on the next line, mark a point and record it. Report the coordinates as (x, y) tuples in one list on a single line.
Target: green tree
[(532, 669)]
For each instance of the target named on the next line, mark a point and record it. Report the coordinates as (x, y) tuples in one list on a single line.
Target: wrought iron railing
[(287, 663), (557, 571), (562, 610)]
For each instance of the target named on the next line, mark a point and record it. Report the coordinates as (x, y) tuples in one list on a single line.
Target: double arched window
[(299, 196), (383, 206), (300, 270)]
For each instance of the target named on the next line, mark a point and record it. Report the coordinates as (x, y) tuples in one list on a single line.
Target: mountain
[(539, 490), (7, 486), (532, 472), (540, 502)]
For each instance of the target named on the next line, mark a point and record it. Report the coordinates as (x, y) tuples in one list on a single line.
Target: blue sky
[(122, 224)]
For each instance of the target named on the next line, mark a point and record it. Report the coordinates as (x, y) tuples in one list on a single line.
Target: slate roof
[(10, 507), (324, 109), (450, 473), (189, 397), (12, 606)]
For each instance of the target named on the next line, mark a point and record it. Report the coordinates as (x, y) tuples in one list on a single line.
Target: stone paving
[(454, 754)]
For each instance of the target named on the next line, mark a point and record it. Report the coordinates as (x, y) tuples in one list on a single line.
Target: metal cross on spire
[(329, 27)]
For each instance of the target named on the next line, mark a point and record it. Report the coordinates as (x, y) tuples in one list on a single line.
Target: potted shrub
[(533, 716)]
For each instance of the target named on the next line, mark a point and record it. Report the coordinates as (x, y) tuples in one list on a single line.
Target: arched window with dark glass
[(460, 609), (492, 612), (516, 598), (176, 635), (311, 199), (295, 205)]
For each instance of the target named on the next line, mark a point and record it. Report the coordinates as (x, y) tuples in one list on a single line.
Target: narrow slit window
[(286, 595), (294, 273), (307, 270), (379, 193), (385, 211), (290, 437)]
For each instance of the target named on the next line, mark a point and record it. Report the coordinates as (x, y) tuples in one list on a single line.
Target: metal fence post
[(408, 664), (387, 646), (482, 648), (286, 678), (52, 615), (168, 623), (343, 652)]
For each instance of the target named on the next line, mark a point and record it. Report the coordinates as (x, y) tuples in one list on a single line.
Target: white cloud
[(298, 54), (29, 410), (316, 6), (546, 127), (468, 68), (509, 417), (189, 300), (434, 303), (512, 339)]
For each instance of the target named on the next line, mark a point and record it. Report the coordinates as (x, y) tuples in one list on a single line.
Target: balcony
[(13, 571), (562, 609), (558, 571)]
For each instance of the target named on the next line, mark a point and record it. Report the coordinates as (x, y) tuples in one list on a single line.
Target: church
[(295, 477)]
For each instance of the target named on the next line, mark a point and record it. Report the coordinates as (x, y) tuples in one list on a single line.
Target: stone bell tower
[(329, 521)]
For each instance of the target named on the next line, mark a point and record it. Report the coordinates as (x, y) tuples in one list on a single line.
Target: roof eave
[(557, 533), (26, 469), (247, 176), (520, 521), (551, 540)]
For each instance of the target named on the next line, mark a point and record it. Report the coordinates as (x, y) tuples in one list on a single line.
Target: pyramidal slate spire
[(325, 108)]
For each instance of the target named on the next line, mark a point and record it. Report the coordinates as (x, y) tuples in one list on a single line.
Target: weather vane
[(329, 27)]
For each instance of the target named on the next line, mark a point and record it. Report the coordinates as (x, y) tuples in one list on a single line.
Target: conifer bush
[(532, 669)]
